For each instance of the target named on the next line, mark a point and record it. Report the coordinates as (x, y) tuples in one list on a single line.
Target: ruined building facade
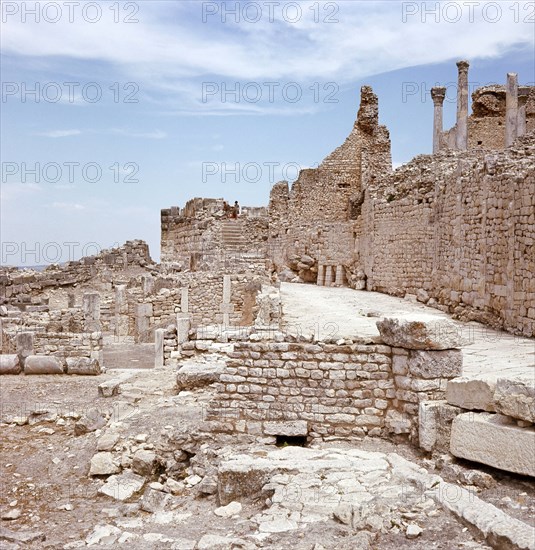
[(456, 228)]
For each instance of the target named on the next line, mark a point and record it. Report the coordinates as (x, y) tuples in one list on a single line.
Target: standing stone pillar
[(328, 275), (461, 131), (182, 327), (523, 94), (511, 108), (148, 284), (438, 93), (184, 300), (339, 281), (226, 307), (159, 334), (321, 275), (24, 345), (144, 313), (91, 311), (121, 311)]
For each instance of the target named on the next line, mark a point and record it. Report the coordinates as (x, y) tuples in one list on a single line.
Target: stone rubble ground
[(142, 473)]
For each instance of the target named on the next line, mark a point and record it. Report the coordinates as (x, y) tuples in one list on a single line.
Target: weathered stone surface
[(83, 366), (10, 364), (144, 462), (435, 364), (24, 537), (472, 393), (92, 420), (516, 397), (122, 486), (194, 375), (290, 428), (422, 332), (495, 440), (42, 364), (102, 464), (154, 501), (434, 424), (110, 387), (107, 441), (231, 509), (103, 535)]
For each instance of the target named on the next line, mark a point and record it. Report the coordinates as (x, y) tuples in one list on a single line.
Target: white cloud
[(59, 133), (68, 206), (170, 46)]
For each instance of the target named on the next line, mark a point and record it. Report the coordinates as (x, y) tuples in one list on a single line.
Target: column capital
[(438, 93), (463, 66)]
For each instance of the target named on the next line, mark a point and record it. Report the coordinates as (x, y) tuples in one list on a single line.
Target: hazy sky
[(114, 110)]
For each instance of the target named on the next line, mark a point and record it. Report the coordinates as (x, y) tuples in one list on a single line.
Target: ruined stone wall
[(201, 237), (23, 287), (68, 344), (461, 227), (317, 216), (486, 124), (344, 390)]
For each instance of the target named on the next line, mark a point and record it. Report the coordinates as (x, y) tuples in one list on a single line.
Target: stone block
[(494, 440), (434, 424), (424, 332), (194, 375), (435, 364), (472, 393), (83, 366), (42, 364), (122, 487), (516, 397), (293, 428), (10, 364)]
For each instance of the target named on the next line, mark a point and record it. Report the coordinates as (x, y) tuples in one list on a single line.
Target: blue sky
[(130, 114)]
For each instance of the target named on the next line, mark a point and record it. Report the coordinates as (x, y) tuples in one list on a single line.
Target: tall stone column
[(91, 311), (461, 132), (511, 108), (523, 94), (438, 93), (321, 275)]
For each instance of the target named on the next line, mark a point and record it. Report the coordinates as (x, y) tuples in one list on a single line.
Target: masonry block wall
[(340, 390), (461, 227)]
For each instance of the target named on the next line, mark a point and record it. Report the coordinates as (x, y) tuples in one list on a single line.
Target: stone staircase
[(232, 234)]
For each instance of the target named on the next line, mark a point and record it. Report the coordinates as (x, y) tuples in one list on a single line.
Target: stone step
[(510, 391), (495, 440)]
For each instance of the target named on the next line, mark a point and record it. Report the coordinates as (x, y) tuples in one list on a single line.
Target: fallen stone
[(434, 424), (516, 397), (192, 480), (122, 486), (422, 332), (10, 364), (413, 531), (499, 529), (107, 441), (194, 375), (103, 534), (12, 514), (110, 387), (24, 537), (144, 462), (154, 501), (216, 542), (279, 525), (42, 364), (435, 364), (472, 393), (208, 486), (289, 428), (92, 420), (102, 464), (494, 440), (82, 366), (231, 509)]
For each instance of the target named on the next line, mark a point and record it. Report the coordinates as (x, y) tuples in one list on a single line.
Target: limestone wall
[(461, 227), (340, 390)]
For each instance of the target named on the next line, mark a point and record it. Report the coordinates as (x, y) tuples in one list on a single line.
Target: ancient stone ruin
[(350, 366)]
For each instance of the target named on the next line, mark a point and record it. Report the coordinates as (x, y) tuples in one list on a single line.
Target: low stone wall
[(68, 344), (337, 390)]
